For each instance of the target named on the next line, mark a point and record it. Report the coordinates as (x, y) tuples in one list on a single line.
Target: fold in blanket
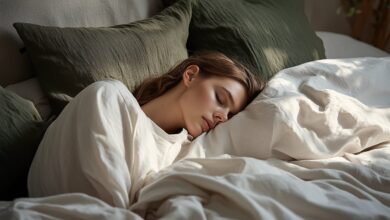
[(329, 118), (350, 187), (319, 109), (247, 188), (103, 145)]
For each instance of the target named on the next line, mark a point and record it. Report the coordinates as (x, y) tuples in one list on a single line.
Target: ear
[(191, 72)]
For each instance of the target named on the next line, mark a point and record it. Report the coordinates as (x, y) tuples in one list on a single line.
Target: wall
[(324, 17)]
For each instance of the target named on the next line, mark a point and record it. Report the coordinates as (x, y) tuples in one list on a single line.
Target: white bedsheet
[(343, 173)]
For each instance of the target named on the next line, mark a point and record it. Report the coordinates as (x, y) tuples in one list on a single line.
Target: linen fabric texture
[(320, 109), (104, 145), (66, 60), (265, 35), (331, 118)]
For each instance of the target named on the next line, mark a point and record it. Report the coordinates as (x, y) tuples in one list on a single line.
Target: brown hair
[(210, 64)]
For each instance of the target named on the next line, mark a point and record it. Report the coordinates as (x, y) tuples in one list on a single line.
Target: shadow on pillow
[(20, 134), (265, 35)]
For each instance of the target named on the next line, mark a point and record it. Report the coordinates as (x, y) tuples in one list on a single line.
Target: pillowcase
[(20, 133), (265, 35), (320, 109), (66, 60)]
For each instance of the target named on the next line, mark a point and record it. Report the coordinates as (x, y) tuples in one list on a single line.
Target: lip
[(209, 124), (206, 125)]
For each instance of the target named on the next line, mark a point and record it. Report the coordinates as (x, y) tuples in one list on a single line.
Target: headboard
[(15, 66)]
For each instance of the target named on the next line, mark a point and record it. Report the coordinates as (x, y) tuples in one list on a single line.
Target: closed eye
[(220, 102), (218, 99)]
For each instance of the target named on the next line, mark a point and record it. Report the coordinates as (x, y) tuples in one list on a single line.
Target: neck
[(165, 111)]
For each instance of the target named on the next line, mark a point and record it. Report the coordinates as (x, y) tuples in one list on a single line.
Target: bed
[(315, 144)]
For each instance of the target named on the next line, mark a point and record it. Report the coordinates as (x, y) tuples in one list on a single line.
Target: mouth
[(208, 124), (205, 125)]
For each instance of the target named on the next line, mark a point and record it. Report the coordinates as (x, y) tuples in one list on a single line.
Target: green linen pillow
[(265, 35), (66, 60), (20, 133)]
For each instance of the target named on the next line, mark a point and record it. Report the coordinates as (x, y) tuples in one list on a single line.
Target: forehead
[(235, 88)]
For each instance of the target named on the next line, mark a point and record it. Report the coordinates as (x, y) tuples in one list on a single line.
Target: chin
[(194, 129), (194, 132)]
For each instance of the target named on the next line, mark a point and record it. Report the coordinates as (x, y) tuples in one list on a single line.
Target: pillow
[(15, 67), (66, 60), (320, 109), (343, 46), (265, 35), (31, 90), (20, 133)]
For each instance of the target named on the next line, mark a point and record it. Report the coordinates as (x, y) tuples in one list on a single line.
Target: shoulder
[(110, 89), (107, 94), (108, 85)]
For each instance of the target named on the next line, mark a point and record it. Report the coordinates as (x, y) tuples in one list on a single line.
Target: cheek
[(205, 99), (198, 102)]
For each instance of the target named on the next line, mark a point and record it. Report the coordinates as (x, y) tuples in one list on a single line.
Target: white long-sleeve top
[(104, 145)]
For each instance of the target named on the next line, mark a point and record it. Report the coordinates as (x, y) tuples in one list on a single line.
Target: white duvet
[(314, 145)]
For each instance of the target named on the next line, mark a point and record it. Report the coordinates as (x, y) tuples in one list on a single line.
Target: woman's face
[(207, 102)]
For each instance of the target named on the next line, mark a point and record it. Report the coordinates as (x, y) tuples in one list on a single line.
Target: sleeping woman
[(106, 141)]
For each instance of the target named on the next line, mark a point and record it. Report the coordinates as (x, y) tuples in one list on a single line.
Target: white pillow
[(343, 46), (320, 109)]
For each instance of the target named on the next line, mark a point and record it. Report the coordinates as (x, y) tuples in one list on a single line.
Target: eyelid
[(218, 98), (230, 114), (226, 93)]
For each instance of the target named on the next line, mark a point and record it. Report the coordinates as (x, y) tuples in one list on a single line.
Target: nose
[(220, 116)]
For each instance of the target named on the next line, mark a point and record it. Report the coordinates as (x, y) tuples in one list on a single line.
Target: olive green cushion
[(20, 133), (66, 60), (266, 35)]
